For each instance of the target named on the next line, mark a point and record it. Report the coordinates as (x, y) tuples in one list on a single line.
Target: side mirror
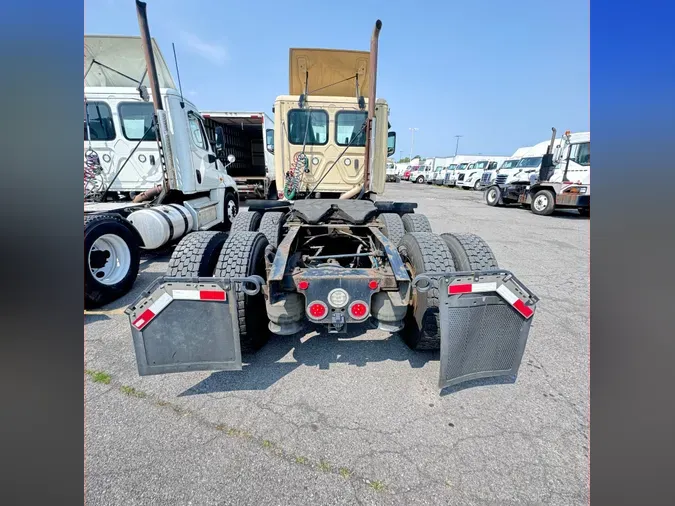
[(391, 143), (220, 142), (269, 140)]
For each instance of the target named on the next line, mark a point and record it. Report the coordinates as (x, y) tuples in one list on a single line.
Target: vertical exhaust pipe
[(367, 166), (146, 41), (149, 54)]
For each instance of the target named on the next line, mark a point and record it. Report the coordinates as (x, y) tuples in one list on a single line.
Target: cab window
[(308, 127), (99, 117), (196, 131), (349, 128), (137, 120)]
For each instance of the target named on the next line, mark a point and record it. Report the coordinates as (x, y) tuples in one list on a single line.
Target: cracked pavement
[(358, 420)]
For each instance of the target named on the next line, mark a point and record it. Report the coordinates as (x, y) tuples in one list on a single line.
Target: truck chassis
[(333, 264), (542, 198)]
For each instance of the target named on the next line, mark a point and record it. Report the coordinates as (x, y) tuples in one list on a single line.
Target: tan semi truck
[(330, 254)]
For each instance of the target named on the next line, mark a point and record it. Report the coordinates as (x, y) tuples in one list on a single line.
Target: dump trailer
[(247, 137), (332, 255), (150, 175)]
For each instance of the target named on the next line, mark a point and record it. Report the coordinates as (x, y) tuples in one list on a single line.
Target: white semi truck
[(341, 260), (151, 176), (563, 179), (462, 162), (473, 176), (507, 167)]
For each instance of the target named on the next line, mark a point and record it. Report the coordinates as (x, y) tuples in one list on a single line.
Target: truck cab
[(474, 175)]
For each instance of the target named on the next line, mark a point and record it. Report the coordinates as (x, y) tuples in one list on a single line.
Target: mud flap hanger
[(173, 334), (485, 318)]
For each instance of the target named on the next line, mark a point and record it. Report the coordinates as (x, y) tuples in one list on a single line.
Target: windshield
[(462, 166), (307, 127), (452, 166), (532, 161), (481, 165), (509, 164), (471, 166)]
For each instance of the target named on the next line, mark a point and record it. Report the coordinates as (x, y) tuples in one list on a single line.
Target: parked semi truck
[(563, 179), (506, 168), (472, 180), (463, 162), (249, 137), (150, 176), (333, 254)]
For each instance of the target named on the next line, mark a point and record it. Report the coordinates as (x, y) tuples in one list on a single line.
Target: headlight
[(338, 298)]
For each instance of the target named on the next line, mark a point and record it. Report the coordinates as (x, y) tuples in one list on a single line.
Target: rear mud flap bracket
[(485, 320), (188, 324)]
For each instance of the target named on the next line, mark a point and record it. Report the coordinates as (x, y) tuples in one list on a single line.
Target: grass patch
[(377, 486), (132, 392), (300, 459), (98, 376), (267, 444), (324, 466), (344, 472), (239, 433)]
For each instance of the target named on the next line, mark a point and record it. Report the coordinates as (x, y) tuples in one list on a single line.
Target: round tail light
[(303, 284), (358, 310), (317, 310), (373, 284)]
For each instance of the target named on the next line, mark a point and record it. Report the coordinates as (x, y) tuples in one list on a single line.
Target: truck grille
[(486, 178), (447, 178), (461, 177), (501, 178)]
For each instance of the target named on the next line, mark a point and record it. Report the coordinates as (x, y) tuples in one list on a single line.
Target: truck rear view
[(332, 264)]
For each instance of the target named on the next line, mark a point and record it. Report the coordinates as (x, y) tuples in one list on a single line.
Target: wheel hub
[(492, 195), (109, 259), (231, 210), (540, 202)]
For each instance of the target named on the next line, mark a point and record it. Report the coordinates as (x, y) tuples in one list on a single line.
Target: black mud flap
[(485, 319), (188, 324)]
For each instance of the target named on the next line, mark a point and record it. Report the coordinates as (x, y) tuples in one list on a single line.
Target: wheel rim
[(109, 259), (541, 202), (492, 195), (231, 210), (476, 185)]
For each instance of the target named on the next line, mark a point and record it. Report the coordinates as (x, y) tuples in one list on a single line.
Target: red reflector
[(523, 309), (373, 284), (358, 310), (144, 319), (317, 310), (211, 295), (459, 289), (303, 285)]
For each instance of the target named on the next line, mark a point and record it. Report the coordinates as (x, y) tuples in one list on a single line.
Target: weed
[(132, 391), (99, 376)]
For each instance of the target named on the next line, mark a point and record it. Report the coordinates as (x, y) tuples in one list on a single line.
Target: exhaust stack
[(371, 105)]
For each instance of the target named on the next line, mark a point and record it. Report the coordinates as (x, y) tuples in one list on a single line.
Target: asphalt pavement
[(318, 419)]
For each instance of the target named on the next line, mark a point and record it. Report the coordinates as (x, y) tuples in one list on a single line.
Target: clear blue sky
[(501, 73)]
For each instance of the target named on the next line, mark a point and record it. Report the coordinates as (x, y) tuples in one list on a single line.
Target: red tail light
[(358, 310), (317, 310), (373, 284), (303, 284)]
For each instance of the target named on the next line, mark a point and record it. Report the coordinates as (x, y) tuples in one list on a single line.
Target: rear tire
[(424, 252), (543, 203), (392, 227), (271, 225), (416, 223), (196, 255), (470, 252), (492, 196), (243, 255), (246, 221), (111, 259), (420, 180)]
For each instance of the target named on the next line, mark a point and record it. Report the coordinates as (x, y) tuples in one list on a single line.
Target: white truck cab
[(423, 172), (473, 176)]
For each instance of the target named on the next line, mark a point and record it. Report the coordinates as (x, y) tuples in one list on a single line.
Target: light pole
[(412, 140), (457, 145)]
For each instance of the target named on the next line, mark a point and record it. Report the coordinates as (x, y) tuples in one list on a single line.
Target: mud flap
[(188, 324), (485, 320)]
